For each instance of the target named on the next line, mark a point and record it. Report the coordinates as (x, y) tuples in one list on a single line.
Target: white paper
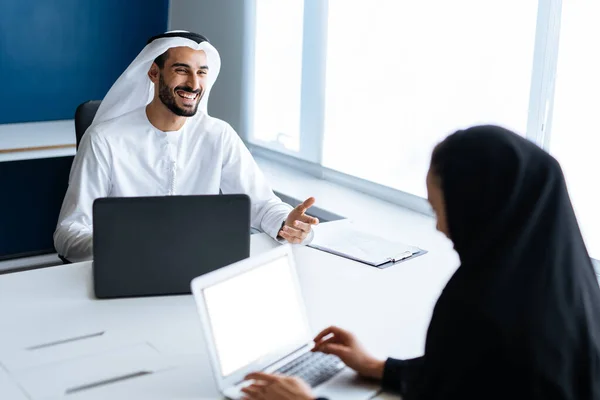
[(64, 348), (9, 388), (76, 374), (344, 239)]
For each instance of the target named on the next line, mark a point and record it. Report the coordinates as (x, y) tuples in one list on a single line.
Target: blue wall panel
[(56, 54)]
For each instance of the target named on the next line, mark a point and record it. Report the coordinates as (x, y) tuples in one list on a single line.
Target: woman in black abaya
[(520, 318)]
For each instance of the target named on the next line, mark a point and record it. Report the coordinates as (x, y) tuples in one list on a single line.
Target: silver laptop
[(253, 318)]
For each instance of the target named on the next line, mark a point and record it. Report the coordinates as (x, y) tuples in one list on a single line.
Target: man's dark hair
[(160, 60)]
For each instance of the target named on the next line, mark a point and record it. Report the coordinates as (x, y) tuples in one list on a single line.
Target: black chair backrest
[(35, 189), (84, 115)]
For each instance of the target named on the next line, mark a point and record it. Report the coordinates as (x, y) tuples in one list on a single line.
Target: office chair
[(84, 115)]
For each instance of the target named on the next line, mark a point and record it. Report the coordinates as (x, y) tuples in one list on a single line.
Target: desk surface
[(37, 140), (40, 310)]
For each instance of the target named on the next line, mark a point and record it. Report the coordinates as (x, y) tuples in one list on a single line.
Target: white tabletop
[(35, 135), (388, 309)]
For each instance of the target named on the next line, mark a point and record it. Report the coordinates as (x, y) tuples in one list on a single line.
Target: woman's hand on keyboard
[(276, 387), (344, 344)]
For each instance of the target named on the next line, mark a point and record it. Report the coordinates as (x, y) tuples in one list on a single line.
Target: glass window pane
[(575, 137), (278, 73), (401, 75)]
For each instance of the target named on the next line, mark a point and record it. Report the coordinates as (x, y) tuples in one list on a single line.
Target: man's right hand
[(344, 344)]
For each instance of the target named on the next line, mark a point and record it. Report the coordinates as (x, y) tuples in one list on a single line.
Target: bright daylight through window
[(398, 76), (402, 75), (575, 137)]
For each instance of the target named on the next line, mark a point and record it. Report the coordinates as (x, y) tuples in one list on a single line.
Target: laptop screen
[(254, 314)]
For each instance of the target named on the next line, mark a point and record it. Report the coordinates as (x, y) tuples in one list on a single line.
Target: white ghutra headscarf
[(134, 89)]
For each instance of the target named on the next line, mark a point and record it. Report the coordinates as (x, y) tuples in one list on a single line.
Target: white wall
[(223, 23)]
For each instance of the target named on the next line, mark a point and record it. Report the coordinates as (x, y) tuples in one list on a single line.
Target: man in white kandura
[(152, 136)]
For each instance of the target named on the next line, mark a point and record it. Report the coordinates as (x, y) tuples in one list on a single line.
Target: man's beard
[(167, 96)]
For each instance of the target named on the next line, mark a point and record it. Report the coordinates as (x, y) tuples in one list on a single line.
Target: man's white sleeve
[(89, 179), (240, 174)]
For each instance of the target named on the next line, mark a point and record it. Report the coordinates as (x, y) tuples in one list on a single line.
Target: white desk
[(388, 309), (36, 135)]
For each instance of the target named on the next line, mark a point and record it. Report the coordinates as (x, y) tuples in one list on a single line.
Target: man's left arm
[(241, 174)]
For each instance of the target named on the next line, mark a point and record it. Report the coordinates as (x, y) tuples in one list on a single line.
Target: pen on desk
[(401, 256)]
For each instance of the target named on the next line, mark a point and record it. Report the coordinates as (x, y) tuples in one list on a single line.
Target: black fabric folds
[(520, 318)]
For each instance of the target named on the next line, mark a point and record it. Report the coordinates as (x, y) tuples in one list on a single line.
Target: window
[(575, 136), (277, 74), (402, 75), (363, 91)]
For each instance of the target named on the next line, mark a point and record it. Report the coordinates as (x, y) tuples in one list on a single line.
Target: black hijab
[(520, 318)]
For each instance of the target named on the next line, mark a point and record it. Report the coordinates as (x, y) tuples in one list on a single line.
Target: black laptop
[(151, 246)]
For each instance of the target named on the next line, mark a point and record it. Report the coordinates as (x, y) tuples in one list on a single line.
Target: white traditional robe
[(127, 156)]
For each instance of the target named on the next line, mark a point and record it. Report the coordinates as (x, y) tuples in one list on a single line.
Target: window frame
[(312, 115)]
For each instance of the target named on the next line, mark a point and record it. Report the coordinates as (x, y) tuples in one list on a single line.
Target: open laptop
[(148, 246), (253, 318)]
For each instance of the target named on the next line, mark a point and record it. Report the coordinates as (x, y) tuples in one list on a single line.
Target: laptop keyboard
[(314, 368)]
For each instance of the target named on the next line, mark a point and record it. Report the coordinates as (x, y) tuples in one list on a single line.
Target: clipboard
[(343, 239)]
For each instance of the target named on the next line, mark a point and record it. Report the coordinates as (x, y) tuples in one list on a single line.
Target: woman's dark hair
[(436, 161)]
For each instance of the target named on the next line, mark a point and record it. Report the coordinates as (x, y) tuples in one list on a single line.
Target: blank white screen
[(254, 314)]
